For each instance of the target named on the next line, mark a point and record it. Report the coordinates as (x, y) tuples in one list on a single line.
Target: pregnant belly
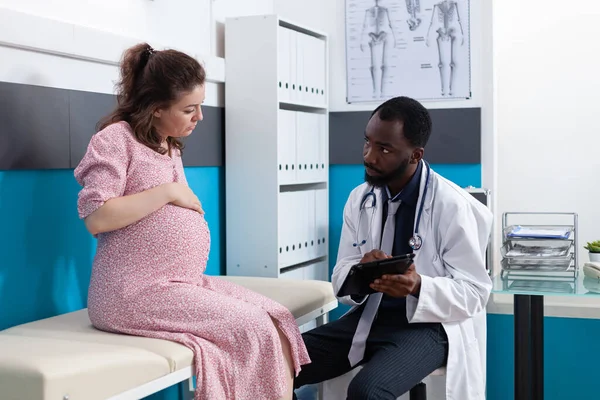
[(176, 225), (170, 244)]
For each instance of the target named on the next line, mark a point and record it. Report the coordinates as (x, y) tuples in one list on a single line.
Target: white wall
[(74, 44), (546, 61), (181, 23), (222, 9)]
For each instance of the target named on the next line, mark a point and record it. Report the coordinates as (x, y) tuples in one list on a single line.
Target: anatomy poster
[(415, 48)]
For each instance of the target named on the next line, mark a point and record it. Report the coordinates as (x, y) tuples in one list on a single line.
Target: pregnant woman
[(153, 241)]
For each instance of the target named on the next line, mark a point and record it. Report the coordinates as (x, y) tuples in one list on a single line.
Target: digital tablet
[(363, 274)]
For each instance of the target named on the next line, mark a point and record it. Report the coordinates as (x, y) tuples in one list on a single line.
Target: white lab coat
[(455, 285)]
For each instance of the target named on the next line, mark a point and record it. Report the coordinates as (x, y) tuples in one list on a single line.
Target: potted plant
[(594, 250)]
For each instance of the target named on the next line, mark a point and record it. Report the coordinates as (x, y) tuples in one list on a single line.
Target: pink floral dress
[(148, 279)]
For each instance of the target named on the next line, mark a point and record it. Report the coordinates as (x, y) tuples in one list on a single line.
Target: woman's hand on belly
[(182, 196)]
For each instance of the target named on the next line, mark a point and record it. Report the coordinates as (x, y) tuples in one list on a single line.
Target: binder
[(283, 63), (307, 223), (291, 230), (315, 67), (303, 145), (313, 150), (283, 232), (323, 147), (303, 67), (310, 157), (297, 229), (310, 222), (286, 147), (293, 48), (321, 221), (321, 61)]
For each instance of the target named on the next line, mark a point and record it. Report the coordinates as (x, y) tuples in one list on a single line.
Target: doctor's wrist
[(417, 289)]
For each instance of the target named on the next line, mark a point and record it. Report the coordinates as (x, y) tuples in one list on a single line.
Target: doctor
[(434, 314)]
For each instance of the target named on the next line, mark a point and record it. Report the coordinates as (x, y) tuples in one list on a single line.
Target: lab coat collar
[(426, 182)]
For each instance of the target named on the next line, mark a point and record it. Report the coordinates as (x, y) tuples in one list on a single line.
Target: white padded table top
[(76, 326), (66, 355), (35, 368), (300, 297)]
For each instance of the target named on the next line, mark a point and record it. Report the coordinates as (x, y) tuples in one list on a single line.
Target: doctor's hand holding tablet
[(395, 285), (379, 272)]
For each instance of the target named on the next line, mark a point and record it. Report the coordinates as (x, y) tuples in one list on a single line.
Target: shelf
[(303, 264), (286, 23), (296, 106), (277, 149), (298, 187)]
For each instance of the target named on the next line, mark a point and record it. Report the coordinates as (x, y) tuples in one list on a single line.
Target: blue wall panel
[(571, 345), (208, 184), (46, 257)]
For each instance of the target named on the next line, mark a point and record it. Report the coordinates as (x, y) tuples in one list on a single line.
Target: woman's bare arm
[(122, 211)]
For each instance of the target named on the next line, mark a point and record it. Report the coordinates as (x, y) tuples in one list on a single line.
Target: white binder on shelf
[(290, 229), (293, 66), (321, 221), (283, 63), (309, 62), (303, 145), (307, 224), (311, 228), (297, 228), (321, 62), (312, 156), (315, 65), (300, 227), (286, 147), (323, 147), (309, 162), (283, 233), (303, 68)]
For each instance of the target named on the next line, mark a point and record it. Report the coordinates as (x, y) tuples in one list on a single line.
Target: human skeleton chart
[(413, 7), (416, 48)]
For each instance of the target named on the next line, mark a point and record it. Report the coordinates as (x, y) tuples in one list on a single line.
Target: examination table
[(66, 358)]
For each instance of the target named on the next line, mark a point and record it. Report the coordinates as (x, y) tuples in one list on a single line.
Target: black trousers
[(398, 355)]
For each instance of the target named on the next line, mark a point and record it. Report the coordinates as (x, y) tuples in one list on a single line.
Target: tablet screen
[(363, 274)]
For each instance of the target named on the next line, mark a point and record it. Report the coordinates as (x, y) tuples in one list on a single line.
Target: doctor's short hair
[(414, 116)]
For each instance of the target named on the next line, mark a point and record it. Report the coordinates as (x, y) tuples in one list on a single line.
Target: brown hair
[(152, 79)]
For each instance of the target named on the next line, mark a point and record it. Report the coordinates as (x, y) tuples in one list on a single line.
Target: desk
[(528, 293)]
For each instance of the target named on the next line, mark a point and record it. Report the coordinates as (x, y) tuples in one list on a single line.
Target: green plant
[(593, 247)]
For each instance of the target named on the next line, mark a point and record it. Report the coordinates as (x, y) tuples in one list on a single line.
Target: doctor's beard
[(383, 180)]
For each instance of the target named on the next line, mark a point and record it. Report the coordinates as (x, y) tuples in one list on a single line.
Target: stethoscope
[(416, 241)]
